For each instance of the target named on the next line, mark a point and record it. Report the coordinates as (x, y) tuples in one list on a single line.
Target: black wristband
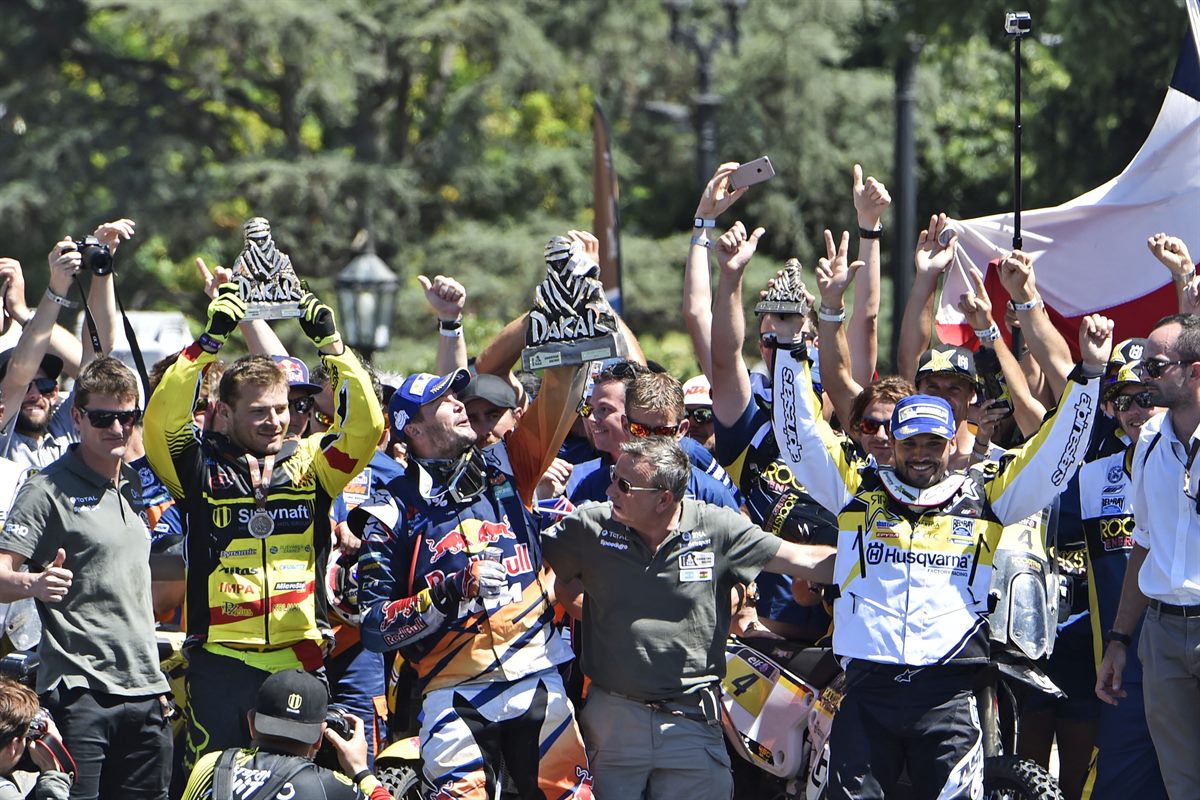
[(1117, 636), (450, 324), (866, 233), (358, 776)]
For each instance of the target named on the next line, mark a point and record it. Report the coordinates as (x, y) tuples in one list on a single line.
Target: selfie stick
[(1018, 25)]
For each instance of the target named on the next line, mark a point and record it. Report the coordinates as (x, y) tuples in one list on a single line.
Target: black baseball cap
[(492, 388), (946, 360), (291, 705), (51, 365)]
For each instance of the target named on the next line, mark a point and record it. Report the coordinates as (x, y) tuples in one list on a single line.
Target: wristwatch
[(1117, 636), (701, 222)]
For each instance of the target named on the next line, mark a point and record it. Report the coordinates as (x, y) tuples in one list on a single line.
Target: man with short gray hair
[(658, 569)]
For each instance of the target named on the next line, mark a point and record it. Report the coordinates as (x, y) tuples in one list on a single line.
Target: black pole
[(1016, 239), (905, 209)]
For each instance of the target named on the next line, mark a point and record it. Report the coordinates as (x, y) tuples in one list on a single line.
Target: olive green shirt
[(101, 636), (656, 623)]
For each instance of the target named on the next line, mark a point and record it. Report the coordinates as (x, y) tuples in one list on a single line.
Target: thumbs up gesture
[(52, 584)]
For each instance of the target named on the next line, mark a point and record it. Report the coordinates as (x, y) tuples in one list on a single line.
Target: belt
[(1174, 610), (695, 698)]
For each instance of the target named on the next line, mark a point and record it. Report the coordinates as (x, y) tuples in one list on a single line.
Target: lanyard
[(261, 525)]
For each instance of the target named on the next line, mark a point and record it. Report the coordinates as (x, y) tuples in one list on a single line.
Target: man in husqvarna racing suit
[(257, 510), (451, 575), (913, 570)]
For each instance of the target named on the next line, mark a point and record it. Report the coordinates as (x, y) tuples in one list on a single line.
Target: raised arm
[(931, 260), (1028, 478), (871, 199), (1173, 254), (697, 281), (730, 379), (1045, 343), (447, 297), (259, 336), (812, 451), (26, 359), (63, 343), (977, 308), (834, 276)]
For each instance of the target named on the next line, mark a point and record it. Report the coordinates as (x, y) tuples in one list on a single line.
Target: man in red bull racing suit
[(257, 510), (913, 571), (451, 575)]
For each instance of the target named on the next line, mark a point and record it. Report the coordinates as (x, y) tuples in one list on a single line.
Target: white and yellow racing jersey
[(914, 566)]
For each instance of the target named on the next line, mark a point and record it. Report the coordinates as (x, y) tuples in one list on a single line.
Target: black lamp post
[(704, 103), (366, 291)]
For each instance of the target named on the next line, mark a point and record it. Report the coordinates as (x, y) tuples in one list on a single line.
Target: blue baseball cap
[(922, 413), (419, 389)]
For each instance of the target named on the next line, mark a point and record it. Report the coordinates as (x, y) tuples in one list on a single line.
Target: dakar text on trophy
[(571, 322), (264, 275)]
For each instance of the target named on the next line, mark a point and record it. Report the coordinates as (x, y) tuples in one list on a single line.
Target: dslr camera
[(335, 719), (95, 254)]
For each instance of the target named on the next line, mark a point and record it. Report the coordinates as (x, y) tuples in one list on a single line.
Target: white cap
[(697, 392)]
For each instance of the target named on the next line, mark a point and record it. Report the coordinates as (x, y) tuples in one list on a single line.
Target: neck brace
[(928, 497)]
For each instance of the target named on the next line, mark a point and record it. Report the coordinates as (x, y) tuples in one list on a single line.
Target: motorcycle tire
[(402, 783), (1012, 778)]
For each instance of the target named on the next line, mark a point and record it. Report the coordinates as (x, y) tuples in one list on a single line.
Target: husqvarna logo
[(221, 516)]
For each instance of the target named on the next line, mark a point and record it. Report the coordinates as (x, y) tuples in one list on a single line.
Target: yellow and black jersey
[(914, 566), (243, 592)]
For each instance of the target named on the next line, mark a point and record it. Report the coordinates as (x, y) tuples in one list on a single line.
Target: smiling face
[(1133, 418), (258, 419), (33, 419), (921, 460), (607, 417), (877, 415)]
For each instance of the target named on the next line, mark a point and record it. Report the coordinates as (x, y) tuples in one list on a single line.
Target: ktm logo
[(295, 700), (221, 516)]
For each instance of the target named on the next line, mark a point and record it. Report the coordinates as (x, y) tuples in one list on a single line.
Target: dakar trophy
[(264, 275), (571, 322)]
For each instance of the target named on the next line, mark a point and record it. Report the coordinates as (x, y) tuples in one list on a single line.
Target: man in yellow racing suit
[(913, 570), (257, 512)]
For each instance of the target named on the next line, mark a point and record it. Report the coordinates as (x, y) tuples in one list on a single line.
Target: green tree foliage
[(459, 130)]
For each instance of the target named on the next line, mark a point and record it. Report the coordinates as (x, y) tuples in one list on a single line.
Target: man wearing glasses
[(658, 568), (653, 406), (81, 522), (1163, 573), (301, 394), (257, 509)]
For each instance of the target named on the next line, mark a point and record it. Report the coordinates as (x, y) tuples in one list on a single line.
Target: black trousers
[(121, 745), (890, 720), (220, 691)]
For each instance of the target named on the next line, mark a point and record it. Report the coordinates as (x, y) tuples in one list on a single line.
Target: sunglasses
[(301, 405), (44, 385), (868, 426), (625, 486), (104, 419), (639, 430), (1124, 402), (700, 416), (621, 371), (1154, 369)]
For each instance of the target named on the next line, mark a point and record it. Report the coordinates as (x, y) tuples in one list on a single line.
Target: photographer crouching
[(26, 729), (287, 727)]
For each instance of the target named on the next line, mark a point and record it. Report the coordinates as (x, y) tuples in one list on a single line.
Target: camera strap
[(130, 335)]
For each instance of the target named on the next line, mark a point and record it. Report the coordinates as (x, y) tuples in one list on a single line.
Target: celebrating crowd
[(538, 572)]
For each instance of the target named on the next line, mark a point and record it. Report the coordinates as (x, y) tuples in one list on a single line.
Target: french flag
[(1090, 253)]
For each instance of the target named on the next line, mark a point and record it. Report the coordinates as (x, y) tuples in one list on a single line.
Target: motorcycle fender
[(408, 749)]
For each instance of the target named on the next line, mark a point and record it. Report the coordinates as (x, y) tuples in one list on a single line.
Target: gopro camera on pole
[(1018, 25)]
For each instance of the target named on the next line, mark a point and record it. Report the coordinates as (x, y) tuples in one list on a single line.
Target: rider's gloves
[(317, 321), (225, 311)]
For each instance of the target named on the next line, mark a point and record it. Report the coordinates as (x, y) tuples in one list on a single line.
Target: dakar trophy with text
[(264, 275)]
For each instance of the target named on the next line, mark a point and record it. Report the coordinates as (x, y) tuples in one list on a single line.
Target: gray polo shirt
[(656, 623), (40, 453), (101, 636)]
